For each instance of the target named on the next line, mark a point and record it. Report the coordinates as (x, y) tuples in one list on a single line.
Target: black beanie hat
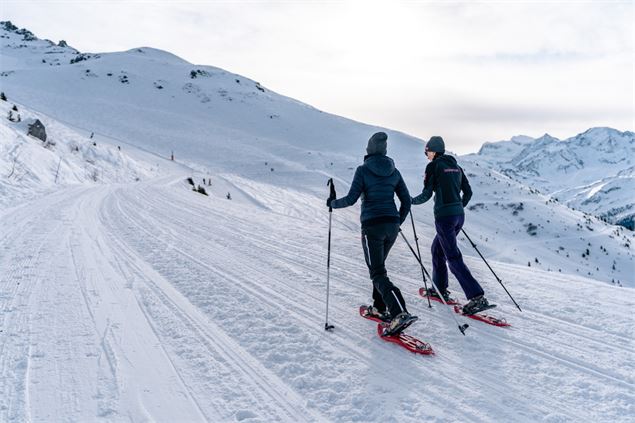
[(377, 144), (436, 145)]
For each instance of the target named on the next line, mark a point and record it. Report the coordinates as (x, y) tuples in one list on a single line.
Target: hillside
[(221, 123), (31, 167), (145, 300)]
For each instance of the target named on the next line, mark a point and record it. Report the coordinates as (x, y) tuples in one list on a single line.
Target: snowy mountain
[(593, 171), (166, 104), (128, 296)]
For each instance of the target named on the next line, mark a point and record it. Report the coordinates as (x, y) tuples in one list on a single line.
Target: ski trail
[(167, 231), (25, 247), (165, 298), (76, 351), (128, 344), (268, 389), (316, 340)]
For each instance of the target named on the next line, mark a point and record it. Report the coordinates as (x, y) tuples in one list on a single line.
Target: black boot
[(399, 323), (477, 304), (445, 294), (374, 312)]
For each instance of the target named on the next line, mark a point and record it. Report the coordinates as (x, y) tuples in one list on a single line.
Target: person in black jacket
[(445, 178), (377, 181)]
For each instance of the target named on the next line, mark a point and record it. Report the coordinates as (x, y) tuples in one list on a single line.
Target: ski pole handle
[(332, 194)]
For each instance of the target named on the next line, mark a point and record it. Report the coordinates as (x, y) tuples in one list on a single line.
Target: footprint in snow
[(245, 415)]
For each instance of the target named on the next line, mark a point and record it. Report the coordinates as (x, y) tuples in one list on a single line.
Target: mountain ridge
[(574, 170)]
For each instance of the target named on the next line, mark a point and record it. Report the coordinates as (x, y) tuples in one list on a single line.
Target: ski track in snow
[(148, 302)]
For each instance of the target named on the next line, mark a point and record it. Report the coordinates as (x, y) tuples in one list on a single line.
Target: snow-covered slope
[(221, 123), (593, 171), (166, 104), (31, 167), (141, 300), (149, 302)]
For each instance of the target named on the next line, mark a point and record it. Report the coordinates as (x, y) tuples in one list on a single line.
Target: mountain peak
[(546, 138), (603, 132), (26, 34), (155, 53), (8, 26)]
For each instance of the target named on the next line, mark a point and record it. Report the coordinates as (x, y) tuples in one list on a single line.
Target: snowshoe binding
[(399, 323), (372, 312), (445, 294), (476, 305)]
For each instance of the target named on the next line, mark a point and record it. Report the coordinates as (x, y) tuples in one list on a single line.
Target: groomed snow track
[(149, 302)]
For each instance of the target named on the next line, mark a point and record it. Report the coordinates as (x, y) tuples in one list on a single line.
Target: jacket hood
[(447, 159), (379, 164)]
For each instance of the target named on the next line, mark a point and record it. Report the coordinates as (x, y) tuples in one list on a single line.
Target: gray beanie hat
[(377, 144), (436, 145)]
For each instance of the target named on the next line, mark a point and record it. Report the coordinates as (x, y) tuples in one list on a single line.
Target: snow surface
[(129, 297)]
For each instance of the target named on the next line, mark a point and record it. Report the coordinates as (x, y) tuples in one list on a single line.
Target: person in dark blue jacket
[(377, 181), (446, 180)]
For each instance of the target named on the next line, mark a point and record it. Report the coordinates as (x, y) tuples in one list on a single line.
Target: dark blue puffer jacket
[(377, 181)]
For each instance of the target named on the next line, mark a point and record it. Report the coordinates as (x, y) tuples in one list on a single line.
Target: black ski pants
[(377, 240)]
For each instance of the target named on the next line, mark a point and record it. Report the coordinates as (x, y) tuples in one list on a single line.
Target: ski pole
[(423, 274), (462, 327), (332, 194), (490, 268)]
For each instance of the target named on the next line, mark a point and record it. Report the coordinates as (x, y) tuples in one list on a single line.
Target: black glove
[(332, 194)]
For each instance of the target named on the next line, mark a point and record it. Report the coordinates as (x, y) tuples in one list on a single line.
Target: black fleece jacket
[(445, 178)]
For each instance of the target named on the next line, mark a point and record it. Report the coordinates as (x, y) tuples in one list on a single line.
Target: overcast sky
[(469, 71)]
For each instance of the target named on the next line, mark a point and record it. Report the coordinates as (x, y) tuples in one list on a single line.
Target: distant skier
[(445, 178), (377, 181)]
